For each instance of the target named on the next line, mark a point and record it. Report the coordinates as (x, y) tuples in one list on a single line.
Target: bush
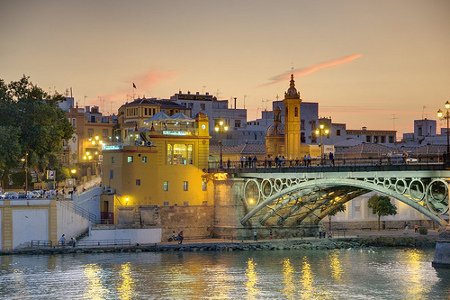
[(423, 230)]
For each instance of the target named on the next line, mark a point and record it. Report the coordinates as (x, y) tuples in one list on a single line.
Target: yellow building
[(92, 129), (163, 170), (284, 139)]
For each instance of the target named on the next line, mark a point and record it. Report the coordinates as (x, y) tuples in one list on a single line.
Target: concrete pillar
[(7, 232), (442, 251)]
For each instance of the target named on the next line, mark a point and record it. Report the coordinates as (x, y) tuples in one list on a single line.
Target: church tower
[(292, 121)]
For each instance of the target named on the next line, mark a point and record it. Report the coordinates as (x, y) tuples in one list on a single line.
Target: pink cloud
[(144, 82), (312, 69)]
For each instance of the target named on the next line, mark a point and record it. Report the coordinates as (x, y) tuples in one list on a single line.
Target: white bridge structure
[(295, 195)]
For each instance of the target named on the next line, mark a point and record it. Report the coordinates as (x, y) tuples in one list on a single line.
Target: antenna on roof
[(423, 109), (393, 120)]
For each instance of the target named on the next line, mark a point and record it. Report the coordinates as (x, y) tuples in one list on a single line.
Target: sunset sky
[(365, 62)]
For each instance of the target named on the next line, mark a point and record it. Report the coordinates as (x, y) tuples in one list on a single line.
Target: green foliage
[(381, 206), (30, 122), (423, 230)]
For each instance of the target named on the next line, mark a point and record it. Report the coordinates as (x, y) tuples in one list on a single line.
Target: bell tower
[(292, 121)]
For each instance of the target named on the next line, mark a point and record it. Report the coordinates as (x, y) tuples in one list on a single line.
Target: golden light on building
[(97, 138), (73, 171)]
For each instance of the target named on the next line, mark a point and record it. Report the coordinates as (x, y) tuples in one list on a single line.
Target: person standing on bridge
[(331, 159)]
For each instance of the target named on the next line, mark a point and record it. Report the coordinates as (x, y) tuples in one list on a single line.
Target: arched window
[(296, 111)]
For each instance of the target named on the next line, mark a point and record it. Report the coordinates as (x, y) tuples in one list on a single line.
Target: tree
[(339, 208), (40, 126), (382, 206)]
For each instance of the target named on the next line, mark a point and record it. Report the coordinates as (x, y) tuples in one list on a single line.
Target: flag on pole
[(134, 86)]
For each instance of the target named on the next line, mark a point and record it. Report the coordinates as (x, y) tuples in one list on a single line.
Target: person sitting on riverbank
[(180, 237)]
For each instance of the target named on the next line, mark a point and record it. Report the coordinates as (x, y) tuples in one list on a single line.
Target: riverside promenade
[(352, 239)]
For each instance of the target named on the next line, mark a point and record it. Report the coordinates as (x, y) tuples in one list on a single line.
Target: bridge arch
[(333, 182)]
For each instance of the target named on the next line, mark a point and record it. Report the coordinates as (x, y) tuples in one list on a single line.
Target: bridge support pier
[(442, 251)]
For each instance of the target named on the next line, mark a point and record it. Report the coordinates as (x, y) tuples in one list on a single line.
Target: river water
[(376, 273)]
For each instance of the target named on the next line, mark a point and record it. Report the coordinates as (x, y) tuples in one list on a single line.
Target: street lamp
[(445, 116), (320, 132), (220, 128), (26, 171)]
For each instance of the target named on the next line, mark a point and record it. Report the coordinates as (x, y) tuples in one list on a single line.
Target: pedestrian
[(242, 162), (255, 235), (228, 163), (180, 237), (308, 160), (254, 161), (62, 240), (416, 228), (73, 241), (331, 158), (304, 160)]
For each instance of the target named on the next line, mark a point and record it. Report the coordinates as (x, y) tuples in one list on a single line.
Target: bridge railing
[(317, 164)]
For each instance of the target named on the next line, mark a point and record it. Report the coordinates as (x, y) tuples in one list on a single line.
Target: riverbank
[(350, 241)]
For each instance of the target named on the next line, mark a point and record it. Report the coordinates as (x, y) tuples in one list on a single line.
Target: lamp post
[(26, 171), (320, 132), (445, 116), (220, 128)]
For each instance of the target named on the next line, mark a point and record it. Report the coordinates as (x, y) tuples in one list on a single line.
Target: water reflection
[(252, 279), (416, 288), (288, 275), (336, 267), (94, 289), (306, 279), (126, 287)]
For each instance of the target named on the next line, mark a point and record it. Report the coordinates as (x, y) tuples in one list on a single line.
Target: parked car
[(2, 196), (22, 195), (11, 195)]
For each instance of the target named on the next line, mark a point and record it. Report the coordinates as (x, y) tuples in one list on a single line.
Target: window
[(419, 129), (313, 125), (105, 133), (74, 123), (375, 139), (204, 186), (383, 139), (202, 106), (302, 124), (92, 119), (237, 123), (144, 159), (368, 138), (166, 203), (338, 132), (90, 132), (391, 139), (129, 159), (179, 154), (296, 112), (111, 174), (166, 186), (138, 182), (113, 159), (185, 185), (302, 137)]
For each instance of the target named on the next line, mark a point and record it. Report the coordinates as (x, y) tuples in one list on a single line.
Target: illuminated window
[(144, 159), (179, 154), (129, 159), (166, 186), (185, 185)]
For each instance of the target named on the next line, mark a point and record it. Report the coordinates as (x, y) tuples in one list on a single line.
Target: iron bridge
[(289, 196)]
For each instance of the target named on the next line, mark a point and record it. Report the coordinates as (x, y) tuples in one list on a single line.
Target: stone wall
[(196, 222)]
